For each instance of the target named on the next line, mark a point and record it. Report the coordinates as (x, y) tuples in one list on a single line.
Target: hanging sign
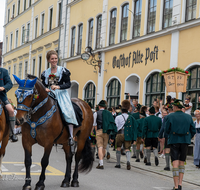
[(85, 56)]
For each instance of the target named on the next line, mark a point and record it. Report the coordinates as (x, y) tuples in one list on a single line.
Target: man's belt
[(174, 133), (121, 131)]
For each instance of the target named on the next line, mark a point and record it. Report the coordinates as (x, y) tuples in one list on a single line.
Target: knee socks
[(145, 152), (71, 130), (12, 124), (167, 159), (128, 156), (182, 169), (107, 148), (118, 156), (134, 150), (148, 155), (137, 154), (175, 172), (141, 147), (155, 151)]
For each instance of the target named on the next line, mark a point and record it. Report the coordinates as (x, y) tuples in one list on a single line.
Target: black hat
[(138, 107), (126, 105), (143, 113), (152, 110), (102, 103), (178, 103)]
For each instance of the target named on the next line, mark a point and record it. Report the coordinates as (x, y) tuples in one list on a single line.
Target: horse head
[(27, 97)]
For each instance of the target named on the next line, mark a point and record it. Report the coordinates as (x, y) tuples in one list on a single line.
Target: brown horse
[(4, 134), (50, 131)]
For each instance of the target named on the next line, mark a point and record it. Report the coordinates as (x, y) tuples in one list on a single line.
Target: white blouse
[(197, 125)]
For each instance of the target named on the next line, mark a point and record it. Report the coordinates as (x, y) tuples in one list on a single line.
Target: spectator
[(197, 140), (158, 114), (188, 105), (133, 102), (114, 113)]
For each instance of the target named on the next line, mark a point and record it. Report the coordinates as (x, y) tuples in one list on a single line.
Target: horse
[(4, 134), (41, 122)]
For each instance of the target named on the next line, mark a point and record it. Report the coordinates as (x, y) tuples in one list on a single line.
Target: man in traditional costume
[(127, 132), (180, 129), (197, 139)]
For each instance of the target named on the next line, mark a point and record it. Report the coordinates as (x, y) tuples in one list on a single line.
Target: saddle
[(77, 110), (2, 106)]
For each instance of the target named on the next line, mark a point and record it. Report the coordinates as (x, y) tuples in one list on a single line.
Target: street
[(109, 178)]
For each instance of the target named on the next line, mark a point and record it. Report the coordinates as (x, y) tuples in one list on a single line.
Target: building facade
[(135, 40), (31, 29), (1, 46)]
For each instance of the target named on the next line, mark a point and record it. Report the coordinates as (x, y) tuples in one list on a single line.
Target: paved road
[(107, 179)]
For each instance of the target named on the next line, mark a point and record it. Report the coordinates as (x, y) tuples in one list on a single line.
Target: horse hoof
[(39, 187), (26, 188), (65, 184), (75, 184)]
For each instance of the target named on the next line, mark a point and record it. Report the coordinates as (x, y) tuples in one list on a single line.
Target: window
[(24, 5), (11, 39), (59, 14), (13, 12), (16, 38), (113, 93), (23, 34), (90, 33), (193, 87), (18, 11), (42, 25), (137, 18), (151, 22), (51, 19), (33, 71), (113, 16), (191, 9), (30, 3), (90, 94), (28, 32), (40, 67), (25, 69), (98, 37), (36, 27), (14, 72), (80, 36), (6, 44), (73, 41), (124, 22), (167, 14), (9, 71), (8, 15), (155, 88), (20, 71)]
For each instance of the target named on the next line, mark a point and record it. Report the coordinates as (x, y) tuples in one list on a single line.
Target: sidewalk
[(192, 174)]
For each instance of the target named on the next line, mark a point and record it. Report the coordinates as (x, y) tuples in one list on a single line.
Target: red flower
[(165, 71), (173, 68), (186, 72)]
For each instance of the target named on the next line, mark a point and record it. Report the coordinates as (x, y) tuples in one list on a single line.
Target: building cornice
[(48, 45), (74, 2)]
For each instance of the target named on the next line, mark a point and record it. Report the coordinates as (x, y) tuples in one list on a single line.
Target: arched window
[(155, 88), (124, 22), (193, 87), (90, 94), (113, 93), (113, 16)]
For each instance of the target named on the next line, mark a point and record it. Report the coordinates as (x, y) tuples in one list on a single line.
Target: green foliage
[(176, 69)]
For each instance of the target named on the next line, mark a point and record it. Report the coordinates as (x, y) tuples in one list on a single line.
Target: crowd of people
[(165, 129)]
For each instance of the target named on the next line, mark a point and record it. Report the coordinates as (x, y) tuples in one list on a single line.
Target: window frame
[(8, 16), (11, 41), (25, 68), (156, 93), (50, 19), (20, 70), (148, 19), (23, 35), (87, 92), (14, 72), (13, 11), (111, 13), (80, 40), (33, 65), (28, 32), (59, 13), (122, 19), (18, 7), (39, 65), (36, 27), (109, 97), (186, 11), (163, 23), (90, 32), (98, 32), (73, 41), (16, 38), (24, 5), (134, 18), (42, 23)]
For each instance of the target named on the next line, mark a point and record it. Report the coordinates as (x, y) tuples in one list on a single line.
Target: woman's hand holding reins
[(54, 87), (48, 90)]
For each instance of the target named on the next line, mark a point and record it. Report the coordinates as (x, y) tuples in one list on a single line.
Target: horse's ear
[(32, 83), (18, 80)]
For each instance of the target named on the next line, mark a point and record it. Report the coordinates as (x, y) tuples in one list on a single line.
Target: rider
[(57, 80), (5, 86)]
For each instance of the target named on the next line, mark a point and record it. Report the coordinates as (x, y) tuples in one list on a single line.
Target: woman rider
[(57, 80)]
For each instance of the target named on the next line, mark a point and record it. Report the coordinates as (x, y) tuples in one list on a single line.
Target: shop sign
[(135, 57)]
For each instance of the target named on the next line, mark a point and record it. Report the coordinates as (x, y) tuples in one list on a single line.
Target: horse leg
[(68, 156), (28, 163), (44, 163), (75, 182)]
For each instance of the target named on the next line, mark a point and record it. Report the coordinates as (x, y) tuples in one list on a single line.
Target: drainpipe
[(59, 34)]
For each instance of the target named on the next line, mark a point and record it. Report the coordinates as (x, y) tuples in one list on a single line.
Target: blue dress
[(62, 79)]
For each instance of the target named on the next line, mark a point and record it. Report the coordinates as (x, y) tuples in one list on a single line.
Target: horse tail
[(87, 158)]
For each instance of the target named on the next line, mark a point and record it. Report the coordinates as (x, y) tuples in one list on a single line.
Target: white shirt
[(159, 115), (95, 118), (196, 124), (119, 120), (189, 110)]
